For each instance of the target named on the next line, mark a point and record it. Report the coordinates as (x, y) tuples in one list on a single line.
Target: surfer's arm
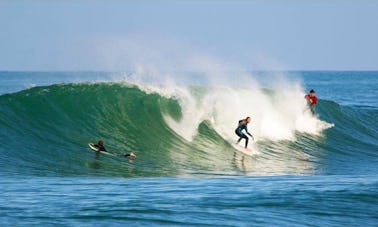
[(251, 136), (98, 147), (309, 101), (246, 130)]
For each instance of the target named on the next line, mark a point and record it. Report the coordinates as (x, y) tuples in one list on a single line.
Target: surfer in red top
[(311, 101)]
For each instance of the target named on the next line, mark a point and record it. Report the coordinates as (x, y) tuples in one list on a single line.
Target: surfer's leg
[(240, 134), (243, 136), (246, 141), (312, 108)]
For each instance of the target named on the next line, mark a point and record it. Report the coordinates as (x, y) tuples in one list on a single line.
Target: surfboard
[(242, 150), (95, 149)]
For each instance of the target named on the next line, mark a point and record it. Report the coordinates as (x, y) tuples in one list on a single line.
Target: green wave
[(45, 131)]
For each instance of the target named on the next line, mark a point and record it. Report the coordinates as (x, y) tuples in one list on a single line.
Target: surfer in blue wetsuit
[(100, 147), (243, 126)]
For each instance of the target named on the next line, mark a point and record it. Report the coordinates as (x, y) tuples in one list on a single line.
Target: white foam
[(275, 115)]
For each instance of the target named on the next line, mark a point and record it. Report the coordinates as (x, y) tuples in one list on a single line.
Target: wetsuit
[(100, 147), (242, 126)]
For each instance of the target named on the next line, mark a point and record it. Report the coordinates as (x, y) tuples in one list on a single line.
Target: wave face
[(185, 131)]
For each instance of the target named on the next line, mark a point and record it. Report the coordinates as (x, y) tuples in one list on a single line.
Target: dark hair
[(100, 142), (247, 118), (312, 91)]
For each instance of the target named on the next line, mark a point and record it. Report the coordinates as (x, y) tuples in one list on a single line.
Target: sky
[(91, 35)]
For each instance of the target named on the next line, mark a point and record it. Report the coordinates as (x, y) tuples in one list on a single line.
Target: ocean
[(304, 170)]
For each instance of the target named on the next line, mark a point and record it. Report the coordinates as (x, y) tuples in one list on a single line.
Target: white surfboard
[(93, 148), (242, 149)]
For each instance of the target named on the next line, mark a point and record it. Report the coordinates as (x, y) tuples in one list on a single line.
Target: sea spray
[(276, 114)]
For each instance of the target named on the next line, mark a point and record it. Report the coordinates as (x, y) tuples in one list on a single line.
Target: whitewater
[(181, 125)]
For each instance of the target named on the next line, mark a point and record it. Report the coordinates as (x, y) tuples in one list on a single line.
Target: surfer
[(100, 147), (243, 126), (311, 101)]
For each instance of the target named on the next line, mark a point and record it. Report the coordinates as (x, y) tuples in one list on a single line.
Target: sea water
[(307, 170)]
